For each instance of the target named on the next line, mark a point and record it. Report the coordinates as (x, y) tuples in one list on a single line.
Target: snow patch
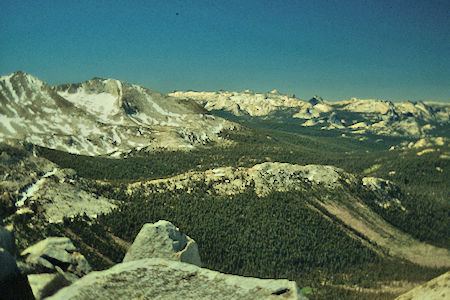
[(9, 87), (32, 189), (102, 105), (6, 123)]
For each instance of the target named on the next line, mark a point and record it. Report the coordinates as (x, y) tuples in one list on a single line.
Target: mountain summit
[(101, 116), (356, 116)]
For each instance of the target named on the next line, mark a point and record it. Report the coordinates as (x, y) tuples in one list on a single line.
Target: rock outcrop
[(164, 263), (429, 142), (386, 190), (359, 116), (54, 252), (46, 284), (163, 240), (34, 185), (157, 278), (240, 103), (436, 289), (51, 264), (285, 176), (42, 269), (264, 177)]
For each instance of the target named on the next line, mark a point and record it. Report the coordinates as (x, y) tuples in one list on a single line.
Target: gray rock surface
[(35, 186), (46, 284), (163, 240), (156, 278), (264, 178), (54, 252), (435, 289), (52, 264), (385, 189)]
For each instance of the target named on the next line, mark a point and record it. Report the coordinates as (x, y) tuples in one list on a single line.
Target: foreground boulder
[(163, 240), (54, 252), (52, 264), (437, 288), (46, 284), (156, 278)]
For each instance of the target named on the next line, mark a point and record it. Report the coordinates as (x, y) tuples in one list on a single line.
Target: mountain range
[(111, 117), (355, 116), (101, 117), (345, 199)]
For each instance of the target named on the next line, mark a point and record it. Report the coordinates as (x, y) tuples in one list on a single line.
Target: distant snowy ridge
[(101, 117), (358, 116)]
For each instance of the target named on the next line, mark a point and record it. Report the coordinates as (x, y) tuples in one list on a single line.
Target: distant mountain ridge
[(101, 117), (111, 117), (359, 116)]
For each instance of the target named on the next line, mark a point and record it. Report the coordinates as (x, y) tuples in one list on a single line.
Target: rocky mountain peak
[(101, 116), (20, 82), (92, 86), (316, 100), (274, 91)]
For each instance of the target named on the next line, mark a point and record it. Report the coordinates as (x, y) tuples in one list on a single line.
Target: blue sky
[(394, 50)]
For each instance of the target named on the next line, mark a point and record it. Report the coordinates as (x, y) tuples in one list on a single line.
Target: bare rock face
[(381, 117), (239, 103), (386, 189), (284, 176), (35, 185), (46, 284), (52, 264), (438, 288), (157, 278), (54, 252), (264, 178), (163, 240)]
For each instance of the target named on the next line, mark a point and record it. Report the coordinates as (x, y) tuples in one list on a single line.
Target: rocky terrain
[(39, 270), (40, 191), (268, 177), (33, 185), (347, 199), (246, 102), (170, 269), (438, 288), (264, 178), (167, 241), (355, 116), (101, 117)]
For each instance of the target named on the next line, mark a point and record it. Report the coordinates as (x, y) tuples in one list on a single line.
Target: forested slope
[(281, 235)]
